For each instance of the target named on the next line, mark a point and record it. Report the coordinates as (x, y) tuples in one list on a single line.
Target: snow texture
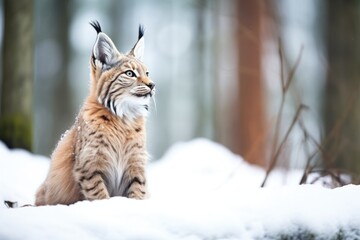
[(199, 190)]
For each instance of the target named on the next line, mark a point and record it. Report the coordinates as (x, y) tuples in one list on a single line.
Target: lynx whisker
[(154, 101)]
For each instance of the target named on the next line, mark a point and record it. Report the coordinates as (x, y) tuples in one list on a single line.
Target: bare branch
[(285, 86), (281, 56), (279, 149), (292, 71)]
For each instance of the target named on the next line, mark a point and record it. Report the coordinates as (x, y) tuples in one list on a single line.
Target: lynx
[(104, 153)]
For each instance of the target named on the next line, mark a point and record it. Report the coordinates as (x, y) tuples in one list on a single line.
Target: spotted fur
[(104, 154)]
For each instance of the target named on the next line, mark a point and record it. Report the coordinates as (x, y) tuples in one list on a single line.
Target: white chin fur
[(132, 107)]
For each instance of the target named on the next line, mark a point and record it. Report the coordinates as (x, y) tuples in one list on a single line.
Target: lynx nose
[(151, 85)]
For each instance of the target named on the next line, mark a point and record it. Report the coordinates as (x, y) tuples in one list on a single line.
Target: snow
[(199, 190)]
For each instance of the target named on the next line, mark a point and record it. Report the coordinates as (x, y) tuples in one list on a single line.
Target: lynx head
[(120, 82)]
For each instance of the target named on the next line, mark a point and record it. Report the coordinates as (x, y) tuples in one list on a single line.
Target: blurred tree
[(17, 78), (52, 61), (250, 130), (199, 71), (342, 95), (63, 109)]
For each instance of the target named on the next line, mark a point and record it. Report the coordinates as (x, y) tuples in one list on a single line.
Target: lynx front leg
[(134, 180), (92, 180), (93, 186)]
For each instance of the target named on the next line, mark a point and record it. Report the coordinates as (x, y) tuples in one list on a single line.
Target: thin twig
[(284, 87), (292, 71), (319, 148), (334, 174), (279, 149), (306, 149), (282, 74), (327, 158), (283, 94)]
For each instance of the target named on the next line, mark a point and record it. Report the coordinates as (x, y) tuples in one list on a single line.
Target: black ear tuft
[(141, 31), (95, 24)]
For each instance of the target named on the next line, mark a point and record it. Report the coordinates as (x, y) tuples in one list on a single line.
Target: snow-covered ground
[(199, 190)]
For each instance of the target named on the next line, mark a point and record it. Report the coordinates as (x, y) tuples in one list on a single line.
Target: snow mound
[(199, 190), (21, 173), (199, 167)]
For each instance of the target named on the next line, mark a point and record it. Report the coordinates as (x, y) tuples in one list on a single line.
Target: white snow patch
[(199, 190)]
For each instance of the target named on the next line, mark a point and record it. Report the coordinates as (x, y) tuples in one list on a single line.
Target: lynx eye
[(130, 73)]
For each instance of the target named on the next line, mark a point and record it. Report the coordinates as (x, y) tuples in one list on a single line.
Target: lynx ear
[(138, 50), (104, 49)]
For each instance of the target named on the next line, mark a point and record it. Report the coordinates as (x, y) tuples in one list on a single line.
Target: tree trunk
[(250, 107), (199, 71), (342, 90), (63, 111), (17, 79)]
